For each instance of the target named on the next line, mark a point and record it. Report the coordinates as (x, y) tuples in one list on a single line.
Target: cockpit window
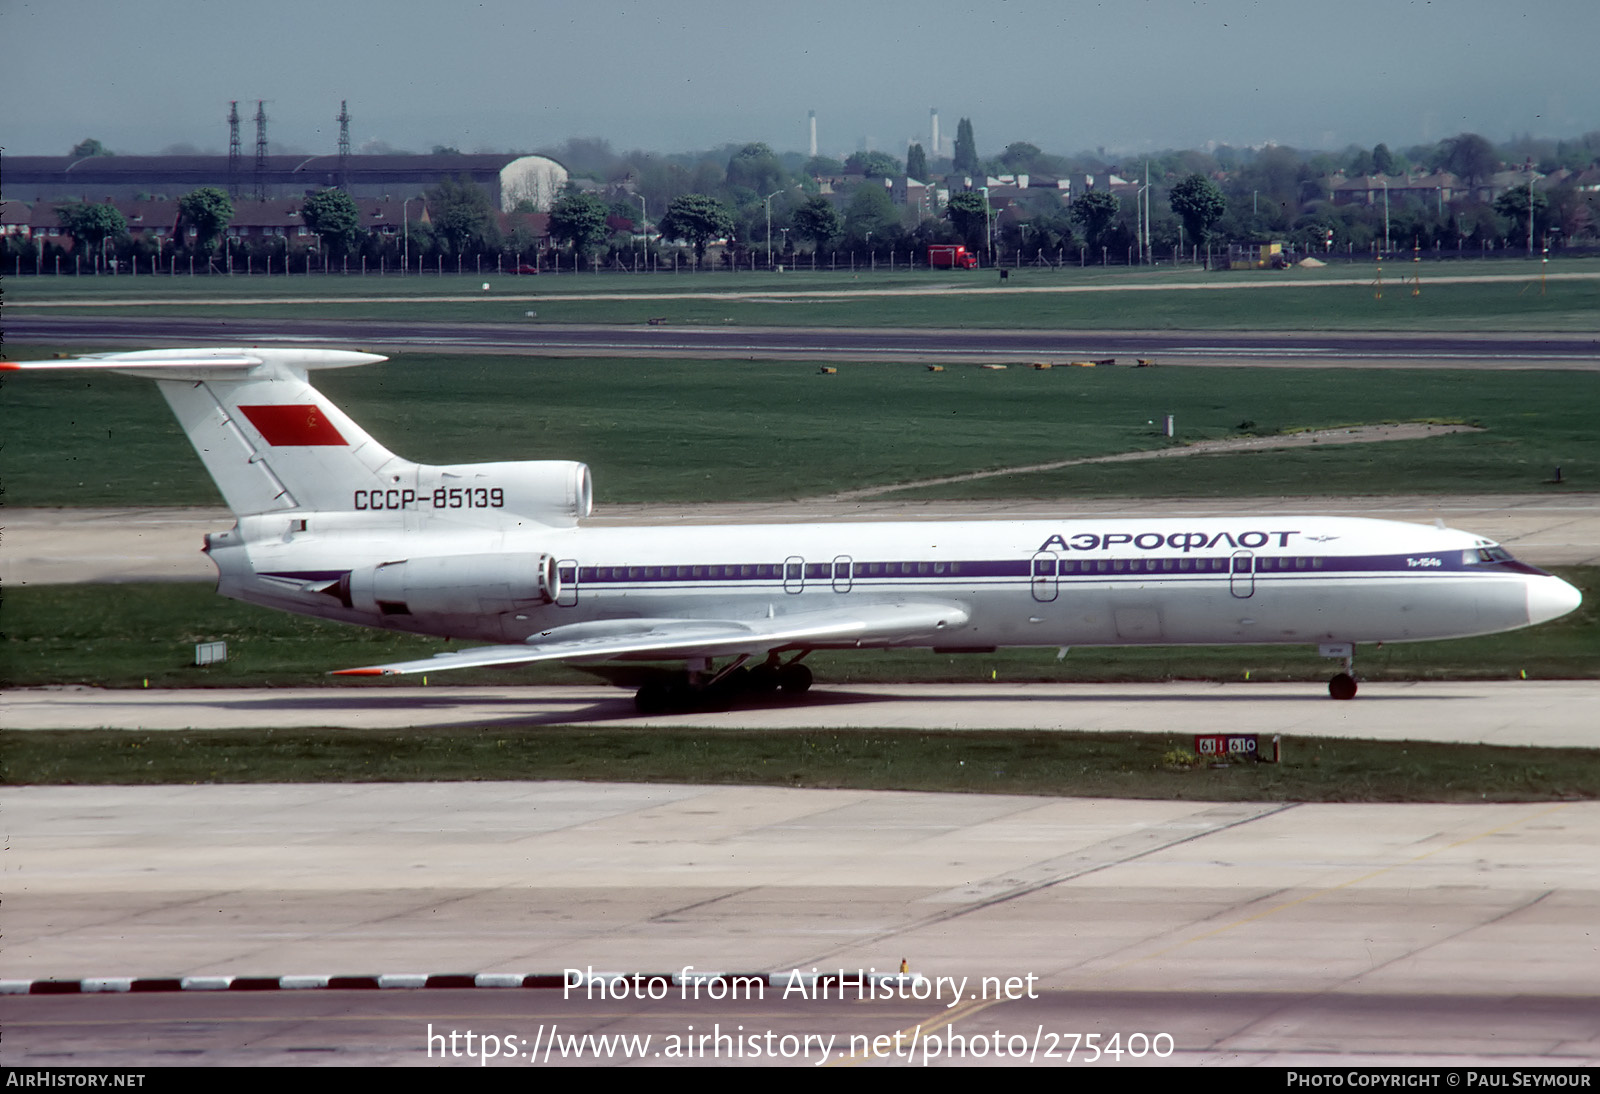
[(1486, 554)]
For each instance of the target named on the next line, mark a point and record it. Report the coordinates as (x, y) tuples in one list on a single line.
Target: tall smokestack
[(811, 116), (933, 115)]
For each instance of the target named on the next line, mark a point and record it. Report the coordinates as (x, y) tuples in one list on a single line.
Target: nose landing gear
[(1343, 685)]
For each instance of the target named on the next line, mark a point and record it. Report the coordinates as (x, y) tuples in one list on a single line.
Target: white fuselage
[(1252, 579)]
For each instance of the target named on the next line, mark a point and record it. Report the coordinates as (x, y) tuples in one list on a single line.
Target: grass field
[(130, 635), (991, 762), (665, 430), (1512, 298)]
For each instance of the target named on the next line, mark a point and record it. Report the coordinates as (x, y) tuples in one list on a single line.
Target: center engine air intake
[(558, 493), (453, 585)]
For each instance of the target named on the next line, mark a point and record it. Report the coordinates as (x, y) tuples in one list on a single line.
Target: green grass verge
[(670, 430), (990, 762), (1150, 300), (108, 289), (130, 635)]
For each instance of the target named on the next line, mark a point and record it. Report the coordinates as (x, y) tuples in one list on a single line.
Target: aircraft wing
[(680, 639)]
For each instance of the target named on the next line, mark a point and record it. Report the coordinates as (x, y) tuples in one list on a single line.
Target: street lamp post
[(644, 230), (988, 226), (769, 198), (1386, 214), (405, 224), (1530, 208)]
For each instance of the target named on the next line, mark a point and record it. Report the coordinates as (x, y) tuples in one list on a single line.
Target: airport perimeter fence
[(311, 264)]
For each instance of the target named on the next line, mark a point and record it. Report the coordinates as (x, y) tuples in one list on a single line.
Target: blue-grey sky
[(1070, 75)]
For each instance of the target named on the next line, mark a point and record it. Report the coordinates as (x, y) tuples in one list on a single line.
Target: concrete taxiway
[(1547, 713), (1302, 922)]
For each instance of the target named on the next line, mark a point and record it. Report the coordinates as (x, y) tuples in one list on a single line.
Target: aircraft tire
[(653, 698), (1342, 686), (724, 693), (765, 679), (795, 679)]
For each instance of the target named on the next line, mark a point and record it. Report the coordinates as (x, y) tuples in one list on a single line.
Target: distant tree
[(1382, 160), (625, 207), (874, 165), (697, 218), (1094, 211), (917, 163), (208, 211), (421, 237), (1267, 191), (91, 225), (1020, 156), (969, 212), (333, 215), (445, 150), (89, 147), (1572, 210), (1199, 204), (591, 157), (523, 238), (818, 221), (707, 177), (1470, 157), (966, 157), (1514, 205), (461, 214), (756, 167), (824, 166), (871, 212), (579, 220)]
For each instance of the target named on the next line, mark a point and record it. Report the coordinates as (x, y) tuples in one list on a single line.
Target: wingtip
[(357, 672)]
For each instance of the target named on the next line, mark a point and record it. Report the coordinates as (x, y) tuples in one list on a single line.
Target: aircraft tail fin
[(270, 440)]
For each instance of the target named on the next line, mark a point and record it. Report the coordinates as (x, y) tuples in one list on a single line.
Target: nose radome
[(1551, 598)]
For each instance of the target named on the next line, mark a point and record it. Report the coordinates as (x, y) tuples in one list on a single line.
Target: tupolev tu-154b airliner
[(332, 524)]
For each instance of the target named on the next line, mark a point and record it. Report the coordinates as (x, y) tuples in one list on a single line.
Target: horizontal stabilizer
[(173, 362)]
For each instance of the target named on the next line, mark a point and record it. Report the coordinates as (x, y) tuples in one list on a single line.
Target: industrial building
[(508, 179)]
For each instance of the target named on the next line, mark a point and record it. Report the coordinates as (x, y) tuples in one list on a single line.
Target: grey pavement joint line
[(1081, 863)]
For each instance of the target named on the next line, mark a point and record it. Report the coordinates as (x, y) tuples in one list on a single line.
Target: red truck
[(950, 256)]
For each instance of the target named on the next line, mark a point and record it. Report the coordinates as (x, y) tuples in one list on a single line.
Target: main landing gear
[(1343, 685), (699, 688)]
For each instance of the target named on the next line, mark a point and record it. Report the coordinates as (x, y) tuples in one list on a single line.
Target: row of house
[(1443, 187), (919, 201)]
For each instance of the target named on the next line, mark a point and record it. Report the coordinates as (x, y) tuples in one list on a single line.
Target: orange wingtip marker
[(358, 672)]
